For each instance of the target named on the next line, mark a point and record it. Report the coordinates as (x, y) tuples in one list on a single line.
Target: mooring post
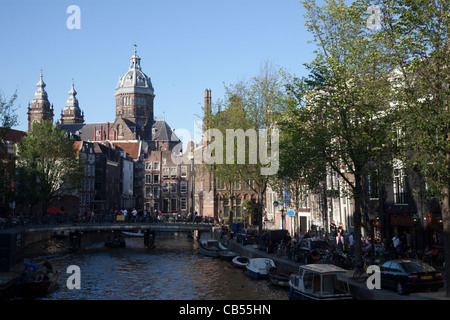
[(149, 238), (75, 240)]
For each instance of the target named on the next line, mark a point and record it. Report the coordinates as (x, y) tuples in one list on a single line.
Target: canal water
[(173, 270)]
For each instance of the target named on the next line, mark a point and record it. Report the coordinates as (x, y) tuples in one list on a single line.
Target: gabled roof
[(132, 148), (161, 131), (85, 131), (14, 135)]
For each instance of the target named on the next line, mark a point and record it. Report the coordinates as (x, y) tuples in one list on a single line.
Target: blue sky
[(186, 46)]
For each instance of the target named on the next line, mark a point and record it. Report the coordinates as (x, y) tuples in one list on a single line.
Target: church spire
[(40, 108), (135, 60), (72, 112)]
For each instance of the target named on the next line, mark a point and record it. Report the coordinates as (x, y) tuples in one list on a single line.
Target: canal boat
[(319, 282), (240, 261), (279, 276), (115, 242), (35, 289), (138, 234), (258, 268), (210, 247)]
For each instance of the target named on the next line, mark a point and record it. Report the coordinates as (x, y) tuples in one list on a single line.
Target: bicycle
[(281, 249), (360, 274)]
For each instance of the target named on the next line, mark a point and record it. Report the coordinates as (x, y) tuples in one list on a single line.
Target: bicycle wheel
[(360, 275)]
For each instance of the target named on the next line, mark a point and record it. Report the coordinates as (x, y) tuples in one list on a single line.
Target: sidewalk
[(360, 290)]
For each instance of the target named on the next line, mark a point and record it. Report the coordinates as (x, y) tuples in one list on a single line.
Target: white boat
[(240, 261), (210, 247), (227, 255), (134, 234), (319, 282), (258, 268)]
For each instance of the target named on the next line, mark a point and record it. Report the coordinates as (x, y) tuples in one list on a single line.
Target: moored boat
[(137, 234), (227, 255), (319, 282), (210, 247), (279, 276), (115, 242), (34, 289), (257, 268), (240, 261)]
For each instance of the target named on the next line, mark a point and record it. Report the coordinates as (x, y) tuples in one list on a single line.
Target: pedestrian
[(134, 214), (340, 242), (351, 242)]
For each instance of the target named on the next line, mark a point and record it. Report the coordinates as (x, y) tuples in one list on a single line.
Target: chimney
[(107, 131), (207, 114)]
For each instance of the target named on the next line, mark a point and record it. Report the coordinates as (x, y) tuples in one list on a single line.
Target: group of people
[(136, 216), (31, 272)]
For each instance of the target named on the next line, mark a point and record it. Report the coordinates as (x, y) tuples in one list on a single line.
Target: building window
[(183, 186), (400, 194), (148, 178), (173, 187), (156, 178), (156, 192), (183, 204), (173, 205), (183, 172), (148, 191), (173, 172), (372, 185), (156, 165), (156, 206), (148, 165), (165, 187), (165, 173)]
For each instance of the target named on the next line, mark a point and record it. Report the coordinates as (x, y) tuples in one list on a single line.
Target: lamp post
[(244, 213)]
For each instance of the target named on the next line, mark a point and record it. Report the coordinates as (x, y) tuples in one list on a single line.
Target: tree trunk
[(357, 216), (445, 210)]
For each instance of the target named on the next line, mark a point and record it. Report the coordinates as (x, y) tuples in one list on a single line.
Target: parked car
[(309, 248), (268, 239), (247, 235), (408, 275)]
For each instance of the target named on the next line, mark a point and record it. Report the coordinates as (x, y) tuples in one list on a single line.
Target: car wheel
[(401, 288)]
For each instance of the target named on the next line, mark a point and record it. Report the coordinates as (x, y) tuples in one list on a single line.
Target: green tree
[(415, 34), (48, 166), (8, 119), (345, 100), (249, 112)]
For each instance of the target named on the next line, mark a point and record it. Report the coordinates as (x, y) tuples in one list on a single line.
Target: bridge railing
[(62, 219)]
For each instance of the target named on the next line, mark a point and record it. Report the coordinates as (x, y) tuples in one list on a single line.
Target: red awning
[(55, 210)]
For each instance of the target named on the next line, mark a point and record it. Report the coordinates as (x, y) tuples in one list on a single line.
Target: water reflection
[(172, 271)]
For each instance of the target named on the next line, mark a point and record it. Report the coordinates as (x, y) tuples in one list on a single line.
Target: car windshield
[(412, 267)]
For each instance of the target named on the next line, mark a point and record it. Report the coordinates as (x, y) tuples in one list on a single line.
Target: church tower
[(72, 112), (134, 103), (40, 108)]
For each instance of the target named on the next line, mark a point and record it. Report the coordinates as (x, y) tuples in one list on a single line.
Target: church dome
[(134, 81)]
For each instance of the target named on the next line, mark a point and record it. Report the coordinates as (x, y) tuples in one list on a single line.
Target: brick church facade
[(134, 148)]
